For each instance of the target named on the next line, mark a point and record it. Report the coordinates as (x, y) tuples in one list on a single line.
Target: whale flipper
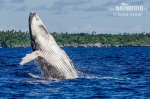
[(30, 57)]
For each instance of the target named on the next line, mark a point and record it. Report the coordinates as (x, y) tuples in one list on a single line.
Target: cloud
[(71, 2), (23, 8), (112, 3), (64, 6), (91, 16), (17, 1), (73, 30), (99, 7), (2, 4), (102, 9), (88, 28), (56, 7), (96, 8), (141, 2), (60, 12), (9, 4), (130, 2), (139, 28), (41, 7)]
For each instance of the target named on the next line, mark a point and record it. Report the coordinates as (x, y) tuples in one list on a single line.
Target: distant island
[(13, 38)]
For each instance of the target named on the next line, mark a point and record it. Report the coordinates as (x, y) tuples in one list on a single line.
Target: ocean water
[(105, 73)]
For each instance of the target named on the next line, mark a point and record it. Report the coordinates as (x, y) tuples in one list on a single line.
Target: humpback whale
[(53, 61)]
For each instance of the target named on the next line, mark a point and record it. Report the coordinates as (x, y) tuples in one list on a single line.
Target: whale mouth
[(32, 37), (31, 15)]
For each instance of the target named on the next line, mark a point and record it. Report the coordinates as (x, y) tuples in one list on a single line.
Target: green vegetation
[(125, 39), (22, 39), (14, 38)]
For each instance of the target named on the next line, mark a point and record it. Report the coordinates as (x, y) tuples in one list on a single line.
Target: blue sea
[(105, 73)]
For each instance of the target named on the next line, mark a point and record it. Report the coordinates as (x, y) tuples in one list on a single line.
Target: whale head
[(38, 32)]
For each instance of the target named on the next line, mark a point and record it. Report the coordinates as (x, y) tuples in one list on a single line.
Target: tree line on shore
[(13, 38)]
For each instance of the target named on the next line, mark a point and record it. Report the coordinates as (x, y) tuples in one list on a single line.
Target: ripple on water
[(122, 72)]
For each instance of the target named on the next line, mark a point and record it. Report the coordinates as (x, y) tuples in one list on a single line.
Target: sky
[(76, 16)]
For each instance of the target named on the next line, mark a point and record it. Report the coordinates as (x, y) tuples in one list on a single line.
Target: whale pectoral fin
[(30, 57)]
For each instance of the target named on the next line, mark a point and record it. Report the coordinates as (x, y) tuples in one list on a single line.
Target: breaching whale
[(53, 61)]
